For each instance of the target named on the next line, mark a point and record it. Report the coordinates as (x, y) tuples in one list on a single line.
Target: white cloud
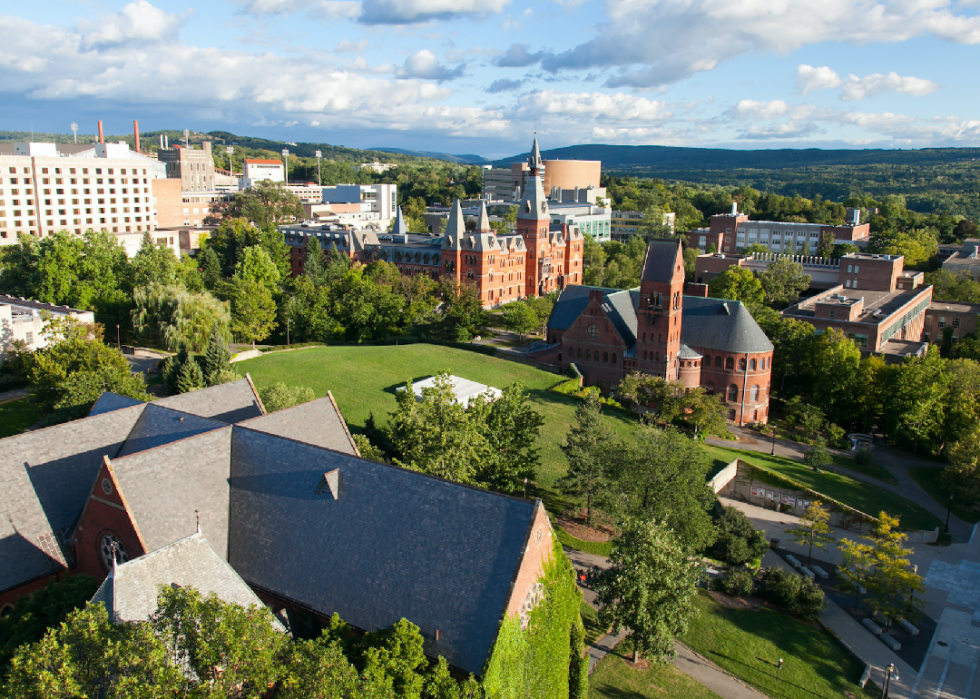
[(789, 130), (657, 42), (591, 105), (424, 65), (346, 46), (858, 88), (517, 56), (321, 9), (809, 78), (411, 11), (138, 21), (754, 111)]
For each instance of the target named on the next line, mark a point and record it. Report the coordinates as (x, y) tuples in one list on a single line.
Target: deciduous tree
[(737, 284), (253, 311), (813, 530), (783, 282)]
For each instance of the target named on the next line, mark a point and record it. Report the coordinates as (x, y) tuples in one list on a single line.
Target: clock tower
[(534, 224)]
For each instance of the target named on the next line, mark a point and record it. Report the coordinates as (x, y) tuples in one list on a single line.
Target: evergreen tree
[(586, 475), (190, 377), (315, 265), (210, 267), (217, 357)]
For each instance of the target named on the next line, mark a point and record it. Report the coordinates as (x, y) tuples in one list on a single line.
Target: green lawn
[(614, 679), (364, 379), (862, 496), (750, 643), (929, 479), (15, 417), (590, 617), (599, 548), (872, 470)]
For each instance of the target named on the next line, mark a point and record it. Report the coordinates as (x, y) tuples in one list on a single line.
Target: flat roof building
[(193, 167)]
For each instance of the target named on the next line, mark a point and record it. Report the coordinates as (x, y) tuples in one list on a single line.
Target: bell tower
[(661, 306), (533, 224)]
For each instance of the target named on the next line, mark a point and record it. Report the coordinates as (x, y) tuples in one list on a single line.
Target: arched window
[(605, 356), (732, 393), (754, 393), (751, 365), (707, 360), (717, 362), (729, 363), (614, 358), (579, 352), (588, 354), (741, 364)]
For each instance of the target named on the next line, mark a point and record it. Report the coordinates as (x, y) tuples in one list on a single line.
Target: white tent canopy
[(464, 389)]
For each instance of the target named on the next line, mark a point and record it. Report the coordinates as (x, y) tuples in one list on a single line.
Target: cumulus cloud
[(755, 111), (591, 105), (858, 88), (517, 56), (424, 64), (696, 35), (411, 11), (789, 130), (809, 78), (320, 9), (504, 85), (346, 46), (138, 21)]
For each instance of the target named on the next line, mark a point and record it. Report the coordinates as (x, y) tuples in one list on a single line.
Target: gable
[(158, 426), (228, 403), (108, 402), (318, 422), (28, 547)]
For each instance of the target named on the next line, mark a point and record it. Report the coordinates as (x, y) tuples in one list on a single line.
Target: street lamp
[(915, 571), (773, 439), (287, 331), (319, 155), (948, 508), (230, 150), (285, 154), (118, 343), (890, 675)]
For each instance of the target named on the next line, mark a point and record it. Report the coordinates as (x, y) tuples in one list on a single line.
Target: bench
[(791, 559), (807, 572), (820, 572), (908, 627), (871, 626), (890, 642)]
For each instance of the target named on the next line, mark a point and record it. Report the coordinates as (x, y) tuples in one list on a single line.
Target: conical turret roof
[(455, 227), (399, 228), (483, 225), (534, 161)]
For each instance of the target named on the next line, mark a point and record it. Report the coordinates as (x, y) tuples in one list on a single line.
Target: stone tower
[(661, 304)]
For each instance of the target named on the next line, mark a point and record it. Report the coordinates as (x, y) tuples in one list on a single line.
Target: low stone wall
[(248, 354), (724, 477)]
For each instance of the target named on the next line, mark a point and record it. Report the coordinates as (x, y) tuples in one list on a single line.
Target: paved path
[(8, 396)]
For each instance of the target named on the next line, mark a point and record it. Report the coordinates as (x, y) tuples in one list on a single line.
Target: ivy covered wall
[(545, 659)]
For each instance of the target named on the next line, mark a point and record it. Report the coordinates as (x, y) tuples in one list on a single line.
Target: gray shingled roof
[(318, 422), (28, 547), (706, 324), (109, 401), (130, 592), (393, 544), (163, 487), (618, 304), (569, 306), (159, 425), (660, 259), (229, 403), (686, 352)]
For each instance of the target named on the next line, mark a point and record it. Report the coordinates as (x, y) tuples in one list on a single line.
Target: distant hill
[(468, 159), (648, 158)]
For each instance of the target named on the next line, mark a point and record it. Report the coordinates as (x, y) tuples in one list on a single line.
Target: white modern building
[(379, 200), (45, 189), (594, 221), (257, 169), (24, 320)]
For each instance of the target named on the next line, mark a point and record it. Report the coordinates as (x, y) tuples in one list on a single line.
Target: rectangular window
[(29, 338), (942, 322), (833, 313), (956, 322), (849, 268)]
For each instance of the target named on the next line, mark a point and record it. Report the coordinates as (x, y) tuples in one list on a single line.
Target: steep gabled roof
[(724, 326), (28, 547), (392, 544), (228, 403), (483, 224), (318, 422), (108, 402), (399, 228), (159, 425), (661, 259), (130, 592), (455, 228), (164, 486)]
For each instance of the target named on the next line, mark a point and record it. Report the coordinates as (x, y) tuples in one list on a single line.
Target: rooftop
[(954, 307), (878, 305), (464, 389)]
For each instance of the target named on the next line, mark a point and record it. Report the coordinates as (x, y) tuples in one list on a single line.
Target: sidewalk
[(8, 396)]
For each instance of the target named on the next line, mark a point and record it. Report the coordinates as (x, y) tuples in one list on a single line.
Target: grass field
[(15, 417), (862, 496), (590, 618), (750, 643), (599, 548), (930, 480), (364, 379), (614, 679), (872, 470)]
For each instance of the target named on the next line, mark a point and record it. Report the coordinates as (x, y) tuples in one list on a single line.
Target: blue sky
[(478, 76)]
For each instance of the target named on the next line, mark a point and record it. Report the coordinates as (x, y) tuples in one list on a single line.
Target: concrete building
[(193, 167), (572, 174), (103, 186), (966, 260), (593, 221), (379, 200), (959, 319), (258, 169), (734, 232), (23, 320), (626, 224), (657, 329), (505, 184)]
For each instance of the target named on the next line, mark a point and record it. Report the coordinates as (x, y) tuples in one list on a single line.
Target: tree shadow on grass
[(770, 675)]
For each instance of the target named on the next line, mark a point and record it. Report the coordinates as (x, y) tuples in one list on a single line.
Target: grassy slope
[(364, 379), (749, 644), (857, 494), (872, 470), (929, 479), (614, 679), (15, 417)]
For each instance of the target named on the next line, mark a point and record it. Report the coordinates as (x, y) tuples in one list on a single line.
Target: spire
[(399, 228), (455, 228), (534, 204), (483, 225), (535, 160)]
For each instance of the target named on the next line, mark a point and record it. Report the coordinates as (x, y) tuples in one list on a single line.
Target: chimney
[(101, 139), (734, 208), (166, 141), (161, 141), (136, 134)]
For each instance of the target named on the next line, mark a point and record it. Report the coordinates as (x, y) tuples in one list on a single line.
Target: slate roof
[(399, 228), (108, 402), (164, 486), (159, 425), (619, 305), (318, 422), (26, 552), (393, 544), (686, 352), (660, 259), (534, 203), (130, 592), (228, 403), (455, 228), (725, 326)]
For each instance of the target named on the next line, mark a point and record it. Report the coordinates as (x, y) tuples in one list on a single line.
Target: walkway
[(8, 396), (687, 661)]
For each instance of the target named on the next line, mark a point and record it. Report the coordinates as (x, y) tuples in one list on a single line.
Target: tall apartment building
[(194, 168), (43, 191)]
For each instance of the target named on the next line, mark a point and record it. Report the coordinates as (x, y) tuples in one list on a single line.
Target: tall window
[(754, 393), (741, 364), (732, 393), (752, 365), (729, 363), (707, 360), (718, 362)]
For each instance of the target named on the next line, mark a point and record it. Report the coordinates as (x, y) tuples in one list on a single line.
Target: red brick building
[(657, 329)]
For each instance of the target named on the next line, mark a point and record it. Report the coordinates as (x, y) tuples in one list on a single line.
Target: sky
[(481, 76)]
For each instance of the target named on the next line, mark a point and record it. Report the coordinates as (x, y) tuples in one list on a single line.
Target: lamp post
[(319, 155), (890, 675), (949, 507), (118, 343), (285, 154), (287, 331), (230, 150), (915, 571), (773, 453)]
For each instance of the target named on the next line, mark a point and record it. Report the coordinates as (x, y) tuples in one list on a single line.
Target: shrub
[(738, 541), (864, 457), (794, 593), (836, 435), (279, 396), (738, 583)]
